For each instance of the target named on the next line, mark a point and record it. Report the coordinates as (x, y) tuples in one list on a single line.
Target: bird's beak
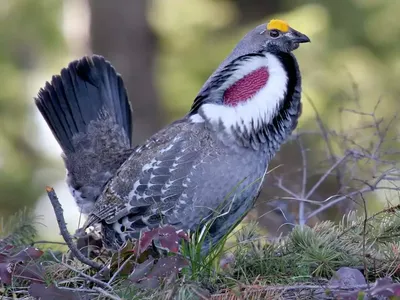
[(298, 37)]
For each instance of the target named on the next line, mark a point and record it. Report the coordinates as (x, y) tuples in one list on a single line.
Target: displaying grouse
[(209, 164)]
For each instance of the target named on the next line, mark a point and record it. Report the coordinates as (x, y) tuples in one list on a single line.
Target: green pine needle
[(18, 229)]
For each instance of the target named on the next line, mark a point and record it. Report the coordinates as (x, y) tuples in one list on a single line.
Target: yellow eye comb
[(279, 25)]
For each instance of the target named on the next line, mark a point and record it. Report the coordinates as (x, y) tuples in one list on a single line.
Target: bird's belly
[(225, 196)]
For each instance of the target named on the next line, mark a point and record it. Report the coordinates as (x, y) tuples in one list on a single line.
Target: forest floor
[(359, 258)]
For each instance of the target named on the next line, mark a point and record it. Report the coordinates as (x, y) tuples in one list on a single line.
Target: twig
[(368, 188), (88, 291), (325, 136), (107, 294), (64, 231), (302, 219), (48, 242), (323, 177), (272, 210), (353, 111), (285, 189), (365, 222), (120, 268), (337, 200), (90, 278)]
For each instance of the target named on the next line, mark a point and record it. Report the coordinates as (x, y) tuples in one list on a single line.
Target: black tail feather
[(78, 96)]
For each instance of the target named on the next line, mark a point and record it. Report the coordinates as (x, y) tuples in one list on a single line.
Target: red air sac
[(246, 87)]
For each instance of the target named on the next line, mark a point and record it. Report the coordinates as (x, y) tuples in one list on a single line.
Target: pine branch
[(19, 229), (357, 241)]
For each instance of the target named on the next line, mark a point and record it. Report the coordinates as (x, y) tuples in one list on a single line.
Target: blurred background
[(165, 50)]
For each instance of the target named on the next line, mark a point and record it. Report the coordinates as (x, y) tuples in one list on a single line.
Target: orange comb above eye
[(278, 25)]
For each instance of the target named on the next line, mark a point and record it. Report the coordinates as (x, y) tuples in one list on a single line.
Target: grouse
[(208, 165)]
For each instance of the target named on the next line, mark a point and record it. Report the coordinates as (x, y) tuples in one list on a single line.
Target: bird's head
[(280, 35), (257, 85), (276, 35)]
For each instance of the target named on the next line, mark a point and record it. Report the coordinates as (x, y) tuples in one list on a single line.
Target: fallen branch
[(58, 211)]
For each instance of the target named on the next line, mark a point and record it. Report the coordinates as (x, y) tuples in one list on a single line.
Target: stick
[(107, 294), (64, 231)]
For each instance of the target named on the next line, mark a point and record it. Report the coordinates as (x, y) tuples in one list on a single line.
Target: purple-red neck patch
[(246, 87)]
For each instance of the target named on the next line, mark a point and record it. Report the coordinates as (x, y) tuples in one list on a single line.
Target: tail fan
[(78, 96)]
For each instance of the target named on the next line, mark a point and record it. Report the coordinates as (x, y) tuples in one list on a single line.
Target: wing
[(153, 179)]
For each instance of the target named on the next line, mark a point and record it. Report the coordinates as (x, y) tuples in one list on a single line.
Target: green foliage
[(202, 266), (18, 229), (255, 257), (321, 250)]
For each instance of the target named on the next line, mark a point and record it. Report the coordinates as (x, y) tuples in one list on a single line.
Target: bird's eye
[(274, 33)]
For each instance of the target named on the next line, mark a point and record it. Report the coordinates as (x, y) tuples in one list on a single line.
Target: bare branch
[(285, 189), (326, 174), (302, 219), (58, 211), (324, 133), (366, 189), (48, 242)]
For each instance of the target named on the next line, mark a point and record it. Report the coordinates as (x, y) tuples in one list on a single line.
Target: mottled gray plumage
[(181, 179), (193, 168)]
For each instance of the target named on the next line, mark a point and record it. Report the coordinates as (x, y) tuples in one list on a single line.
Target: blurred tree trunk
[(120, 32)]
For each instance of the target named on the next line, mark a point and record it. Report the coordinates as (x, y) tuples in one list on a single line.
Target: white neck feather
[(255, 111)]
